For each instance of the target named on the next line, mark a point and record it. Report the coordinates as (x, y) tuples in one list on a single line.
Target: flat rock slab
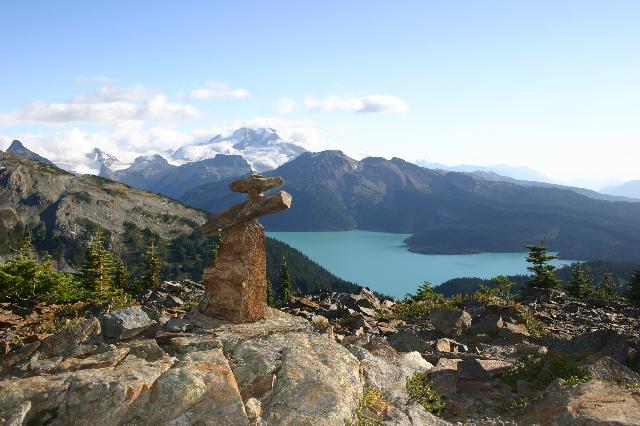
[(199, 389), (388, 370), (317, 381), (275, 322), (198, 343), (88, 397), (58, 364)]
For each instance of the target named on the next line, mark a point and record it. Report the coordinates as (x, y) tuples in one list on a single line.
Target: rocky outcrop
[(285, 371), (320, 365), (591, 403), (470, 370)]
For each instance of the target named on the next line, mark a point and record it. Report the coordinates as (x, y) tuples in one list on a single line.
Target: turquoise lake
[(382, 262)]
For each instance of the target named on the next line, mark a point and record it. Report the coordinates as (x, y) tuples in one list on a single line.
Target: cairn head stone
[(256, 206), (256, 183)]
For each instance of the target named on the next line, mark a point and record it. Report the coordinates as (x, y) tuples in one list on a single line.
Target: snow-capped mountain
[(263, 148), (260, 149), (96, 162)]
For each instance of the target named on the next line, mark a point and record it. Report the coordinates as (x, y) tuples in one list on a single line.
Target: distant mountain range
[(175, 172), (514, 172), (627, 189), (62, 209), (154, 173), (447, 212)]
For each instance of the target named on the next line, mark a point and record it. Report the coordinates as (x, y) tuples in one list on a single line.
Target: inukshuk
[(236, 279)]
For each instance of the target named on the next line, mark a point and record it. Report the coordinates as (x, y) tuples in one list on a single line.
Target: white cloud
[(115, 106), (218, 90), (126, 144), (364, 104), (285, 106)]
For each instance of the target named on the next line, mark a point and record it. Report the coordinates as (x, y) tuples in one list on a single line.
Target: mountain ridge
[(447, 212)]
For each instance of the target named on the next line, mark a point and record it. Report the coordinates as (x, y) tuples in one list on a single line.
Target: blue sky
[(551, 85)]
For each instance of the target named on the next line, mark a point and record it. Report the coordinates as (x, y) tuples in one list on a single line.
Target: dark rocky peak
[(223, 160), (325, 165), (17, 147), (150, 161), (99, 155)]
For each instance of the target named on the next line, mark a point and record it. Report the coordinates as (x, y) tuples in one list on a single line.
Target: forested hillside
[(63, 212)]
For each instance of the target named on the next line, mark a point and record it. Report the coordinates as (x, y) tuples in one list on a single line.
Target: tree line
[(581, 283), (103, 277)]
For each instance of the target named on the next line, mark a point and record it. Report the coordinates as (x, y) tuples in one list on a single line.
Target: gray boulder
[(408, 341), (178, 325), (450, 322), (125, 323)]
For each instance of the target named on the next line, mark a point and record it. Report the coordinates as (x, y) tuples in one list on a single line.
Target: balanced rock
[(236, 280)]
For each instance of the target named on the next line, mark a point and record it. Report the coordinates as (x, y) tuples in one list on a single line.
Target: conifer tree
[(607, 287), (271, 298), (120, 273), (503, 288), (286, 288), (633, 289), (544, 275), (581, 281), (23, 248), (425, 293), (97, 270), (152, 263)]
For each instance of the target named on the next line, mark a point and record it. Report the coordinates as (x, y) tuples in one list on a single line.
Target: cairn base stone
[(236, 281)]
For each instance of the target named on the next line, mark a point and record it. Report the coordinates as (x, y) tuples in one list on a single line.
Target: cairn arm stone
[(252, 209), (256, 183)]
